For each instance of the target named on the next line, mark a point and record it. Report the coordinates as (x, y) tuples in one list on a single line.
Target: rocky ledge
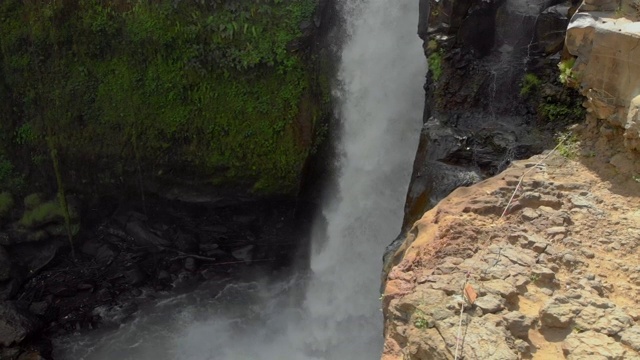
[(555, 275)]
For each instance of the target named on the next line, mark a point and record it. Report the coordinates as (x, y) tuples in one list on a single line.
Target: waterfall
[(379, 104), (381, 72)]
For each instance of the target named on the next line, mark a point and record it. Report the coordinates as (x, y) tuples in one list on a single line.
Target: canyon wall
[(538, 260)]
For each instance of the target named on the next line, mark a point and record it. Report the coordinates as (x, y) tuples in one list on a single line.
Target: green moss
[(6, 204), (47, 213), (530, 83), (435, 64), (32, 201), (215, 88)]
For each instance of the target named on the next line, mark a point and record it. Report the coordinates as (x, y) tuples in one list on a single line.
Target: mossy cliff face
[(222, 91)]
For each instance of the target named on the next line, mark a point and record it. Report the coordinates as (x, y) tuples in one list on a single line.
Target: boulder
[(103, 252), (518, 324), (550, 28), (143, 236), (15, 324), (592, 345), (490, 304), (609, 79), (559, 312), (631, 337)]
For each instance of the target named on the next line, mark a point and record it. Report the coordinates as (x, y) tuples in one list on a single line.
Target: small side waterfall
[(380, 99)]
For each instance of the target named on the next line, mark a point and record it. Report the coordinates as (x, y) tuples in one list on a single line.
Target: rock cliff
[(542, 258), (556, 276)]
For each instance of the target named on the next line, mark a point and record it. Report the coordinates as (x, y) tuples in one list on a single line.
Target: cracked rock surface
[(556, 277)]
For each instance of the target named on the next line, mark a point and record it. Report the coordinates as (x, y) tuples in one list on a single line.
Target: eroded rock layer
[(556, 276)]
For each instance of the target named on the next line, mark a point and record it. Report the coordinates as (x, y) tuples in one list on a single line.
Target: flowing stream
[(332, 311)]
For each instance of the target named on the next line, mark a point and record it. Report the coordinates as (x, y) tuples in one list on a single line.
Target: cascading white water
[(380, 105)]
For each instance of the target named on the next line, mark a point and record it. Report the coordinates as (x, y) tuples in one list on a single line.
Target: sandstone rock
[(592, 345), (15, 324), (632, 127), (606, 321), (519, 256), (558, 313), (556, 230), (539, 247), (529, 214), (499, 287), (490, 303), (580, 202), (518, 324), (542, 274), (485, 340), (611, 96), (631, 337)]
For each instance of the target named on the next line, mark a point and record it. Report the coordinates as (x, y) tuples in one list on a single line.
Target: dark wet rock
[(244, 254), (85, 287), (551, 26), (5, 238), (39, 307), (5, 265), (30, 355), (62, 290), (210, 248), (10, 353), (15, 324), (143, 236), (134, 276), (185, 242), (35, 256), (116, 314), (164, 275), (103, 252), (11, 287), (130, 257), (190, 264)]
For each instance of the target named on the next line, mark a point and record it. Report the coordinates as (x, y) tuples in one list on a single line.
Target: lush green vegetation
[(567, 76), (530, 84), (561, 112), (217, 88), (435, 64)]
